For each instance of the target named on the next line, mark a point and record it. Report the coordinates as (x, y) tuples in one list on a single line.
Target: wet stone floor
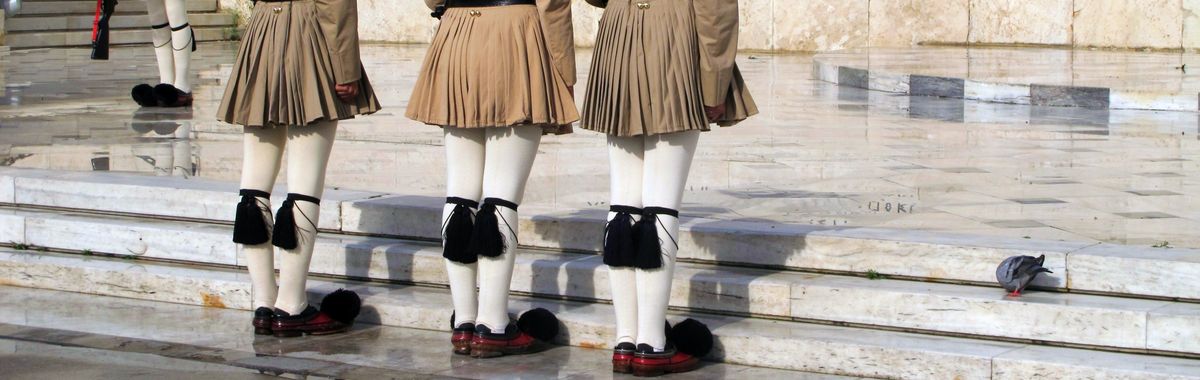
[(818, 154), (114, 340)]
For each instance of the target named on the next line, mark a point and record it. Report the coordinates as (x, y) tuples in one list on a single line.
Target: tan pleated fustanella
[(490, 67), (284, 72), (645, 76)]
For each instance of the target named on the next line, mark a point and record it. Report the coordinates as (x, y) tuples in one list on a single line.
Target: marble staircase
[(928, 309), (66, 23)]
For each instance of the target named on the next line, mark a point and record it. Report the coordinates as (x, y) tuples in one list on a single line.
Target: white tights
[(308, 151), (173, 48), (487, 163), (648, 171)]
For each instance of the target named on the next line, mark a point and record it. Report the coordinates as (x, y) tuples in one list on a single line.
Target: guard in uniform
[(498, 75), (296, 74), (662, 72), (174, 41)]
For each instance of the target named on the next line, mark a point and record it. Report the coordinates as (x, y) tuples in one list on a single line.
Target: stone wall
[(820, 25)]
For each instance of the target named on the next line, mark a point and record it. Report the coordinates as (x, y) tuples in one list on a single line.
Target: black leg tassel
[(285, 221), (249, 225), (486, 239), (620, 242), (649, 245), (457, 231)]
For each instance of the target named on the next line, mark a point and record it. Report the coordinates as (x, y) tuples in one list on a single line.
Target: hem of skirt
[(548, 123), (276, 124), (612, 133)]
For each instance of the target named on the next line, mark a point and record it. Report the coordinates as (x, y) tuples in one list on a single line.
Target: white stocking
[(262, 150), (668, 159), (464, 179), (160, 36), (181, 42), (625, 157), (308, 155), (509, 158)]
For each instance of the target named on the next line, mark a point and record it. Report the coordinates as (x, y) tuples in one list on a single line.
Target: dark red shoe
[(311, 321), (623, 357), (170, 96), (647, 362), (486, 344), (185, 99), (461, 338), (263, 317)]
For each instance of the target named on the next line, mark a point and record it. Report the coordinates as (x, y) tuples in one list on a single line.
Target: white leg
[(262, 151), (625, 160), (464, 179), (181, 43), (160, 36), (510, 153), (668, 161), (308, 155)]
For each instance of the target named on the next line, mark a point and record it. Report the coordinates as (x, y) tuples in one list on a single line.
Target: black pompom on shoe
[(691, 337), (143, 94), (343, 306), (539, 323)]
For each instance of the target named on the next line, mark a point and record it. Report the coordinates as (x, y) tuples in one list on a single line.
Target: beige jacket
[(717, 32), (559, 32), (339, 23)]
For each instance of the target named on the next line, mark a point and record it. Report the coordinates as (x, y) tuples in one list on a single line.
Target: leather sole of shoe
[(486, 351), (462, 348), (263, 331), (298, 333), (622, 366), (653, 371)]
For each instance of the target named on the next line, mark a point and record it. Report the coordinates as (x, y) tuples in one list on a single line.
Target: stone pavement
[(819, 154), (126, 338)]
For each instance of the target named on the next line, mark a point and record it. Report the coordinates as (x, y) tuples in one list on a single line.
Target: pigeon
[(1015, 273)]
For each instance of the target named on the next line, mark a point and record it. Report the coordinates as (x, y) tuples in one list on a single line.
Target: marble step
[(118, 37), (195, 342), (1059, 318), (853, 69), (42, 8), (127, 21), (1078, 267), (773, 344)]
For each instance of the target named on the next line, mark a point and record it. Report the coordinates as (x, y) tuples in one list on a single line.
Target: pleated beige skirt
[(645, 75), (491, 70), (284, 75)]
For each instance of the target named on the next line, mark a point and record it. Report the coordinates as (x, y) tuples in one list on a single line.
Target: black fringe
[(457, 231), (649, 254), (249, 225), (620, 242), (286, 236), (486, 239)]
